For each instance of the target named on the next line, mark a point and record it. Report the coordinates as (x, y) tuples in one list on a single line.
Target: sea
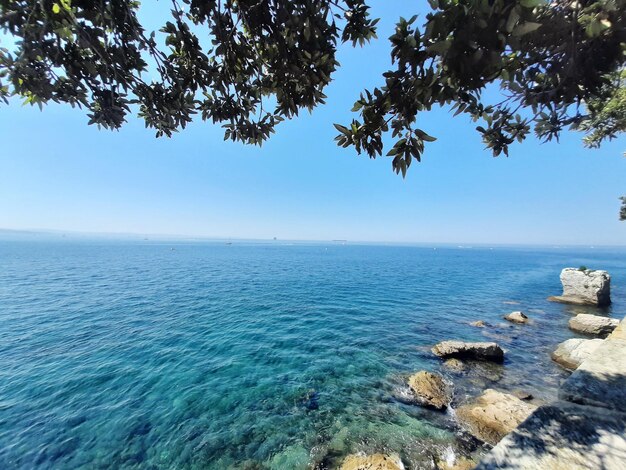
[(146, 354)]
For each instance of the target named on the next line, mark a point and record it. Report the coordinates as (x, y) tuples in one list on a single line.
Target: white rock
[(571, 353), (593, 325), (516, 317), (587, 287)]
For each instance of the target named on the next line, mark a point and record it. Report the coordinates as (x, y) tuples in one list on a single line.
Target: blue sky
[(58, 173)]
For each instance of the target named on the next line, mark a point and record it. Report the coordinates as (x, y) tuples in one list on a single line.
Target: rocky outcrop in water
[(478, 324), (571, 353), (430, 389), (372, 462), (516, 317), (593, 325), (585, 287), (461, 349), (494, 414)]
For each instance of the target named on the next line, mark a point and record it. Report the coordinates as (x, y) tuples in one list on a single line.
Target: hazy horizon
[(177, 237)]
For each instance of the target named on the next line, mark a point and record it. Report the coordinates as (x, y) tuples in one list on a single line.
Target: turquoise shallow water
[(251, 355)]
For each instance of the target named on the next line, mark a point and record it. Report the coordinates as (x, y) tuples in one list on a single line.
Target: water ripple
[(133, 355)]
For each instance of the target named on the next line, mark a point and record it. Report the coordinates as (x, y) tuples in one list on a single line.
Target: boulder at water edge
[(593, 325), (372, 462), (584, 287), (461, 349), (516, 317), (430, 389), (571, 353), (493, 415)]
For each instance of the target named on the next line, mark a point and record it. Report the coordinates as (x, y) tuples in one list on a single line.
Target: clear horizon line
[(180, 237)]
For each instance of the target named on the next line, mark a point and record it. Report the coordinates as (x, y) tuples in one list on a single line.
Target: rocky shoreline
[(494, 414), (585, 428)]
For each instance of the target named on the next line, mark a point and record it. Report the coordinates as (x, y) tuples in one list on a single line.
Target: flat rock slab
[(566, 299), (493, 415), (601, 379), (461, 349), (593, 325), (571, 353), (563, 436), (372, 462)]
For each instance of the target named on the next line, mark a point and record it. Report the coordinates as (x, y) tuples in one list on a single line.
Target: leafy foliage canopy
[(97, 55), (549, 59), (249, 64)]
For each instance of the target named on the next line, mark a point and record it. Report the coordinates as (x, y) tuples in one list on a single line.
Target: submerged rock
[(310, 400), (593, 325), (493, 415), (486, 351), (584, 287), (516, 317), (571, 353), (500, 333), (478, 324), (430, 389), (250, 465), (523, 395), (473, 373), (293, 457), (455, 365), (372, 462), (339, 440)]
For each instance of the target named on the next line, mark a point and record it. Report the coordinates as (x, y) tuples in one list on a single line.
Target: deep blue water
[(207, 355)]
